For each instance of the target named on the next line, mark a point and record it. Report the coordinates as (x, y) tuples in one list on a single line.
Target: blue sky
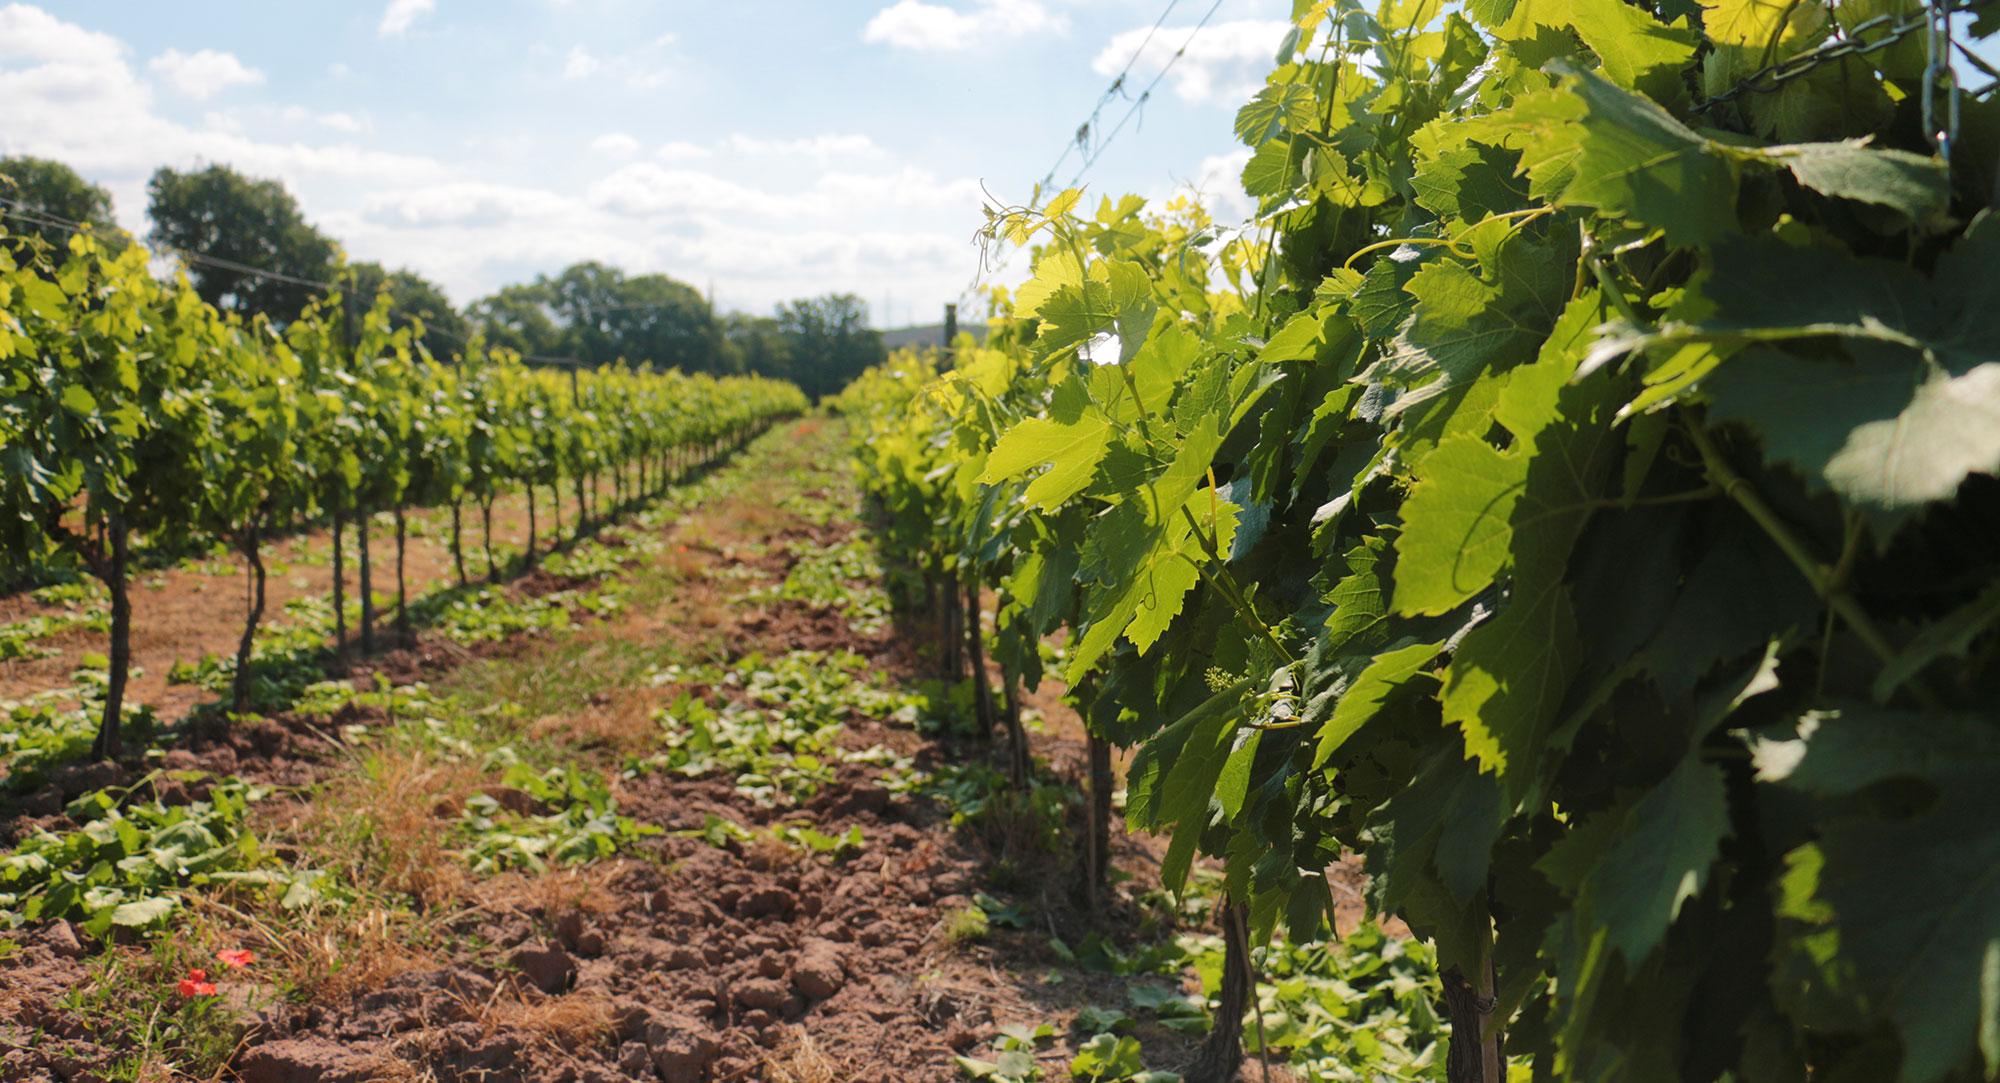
[(766, 148)]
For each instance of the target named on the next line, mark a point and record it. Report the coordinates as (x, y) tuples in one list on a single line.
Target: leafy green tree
[(585, 299), (41, 187), (413, 297), (647, 319), (519, 318), (236, 220), (756, 345), (829, 341), (598, 314), (663, 323)]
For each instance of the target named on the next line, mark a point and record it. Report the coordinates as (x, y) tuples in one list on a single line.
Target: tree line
[(249, 250)]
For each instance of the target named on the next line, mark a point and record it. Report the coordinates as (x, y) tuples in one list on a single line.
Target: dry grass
[(623, 723), (768, 853), (344, 951), (582, 889), (383, 826), (566, 1022), (382, 831), (325, 952), (799, 1059)]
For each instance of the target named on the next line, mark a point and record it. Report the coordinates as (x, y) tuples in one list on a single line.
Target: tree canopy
[(600, 314), (830, 341), (242, 238), (39, 187), (231, 218), (754, 344), (519, 318), (414, 297)]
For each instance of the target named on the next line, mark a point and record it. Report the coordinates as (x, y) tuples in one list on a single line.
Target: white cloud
[(339, 70), (1224, 62), (640, 68), (737, 211), (905, 189), (72, 94), (818, 147), (580, 64), (464, 203), (646, 190), (292, 117), (29, 33), (615, 144), (682, 151), (204, 74), (344, 122), (400, 14), (1218, 186), (913, 24)]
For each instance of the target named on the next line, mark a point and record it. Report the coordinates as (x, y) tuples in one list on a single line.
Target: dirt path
[(810, 882)]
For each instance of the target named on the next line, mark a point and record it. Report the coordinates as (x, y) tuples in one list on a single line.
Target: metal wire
[(1857, 42), (12, 209), (1081, 139), (1937, 69)]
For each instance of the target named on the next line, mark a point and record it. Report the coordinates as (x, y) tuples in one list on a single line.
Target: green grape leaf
[(1072, 451), (1665, 845), (78, 400), (1441, 828), (1949, 636), (1146, 551), (1634, 50), (1509, 677), (1232, 784), (1145, 781), (1456, 327), (1596, 145), (1270, 174), (1925, 941), (1469, 181), (1113, 297), (1881, 430), (1359, 610), (1391, 673), (1916, 186), (1456, 536), (1298, 340), (1274, 111)]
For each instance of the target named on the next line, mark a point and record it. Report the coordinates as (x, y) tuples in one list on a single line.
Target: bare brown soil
[(681, 961)]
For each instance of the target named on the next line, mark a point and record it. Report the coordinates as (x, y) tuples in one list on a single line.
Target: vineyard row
[(1575, 492), (133, 411)]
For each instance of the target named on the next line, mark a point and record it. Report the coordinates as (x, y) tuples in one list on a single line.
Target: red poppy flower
[(236, 958), (191, 987), (197, 974)]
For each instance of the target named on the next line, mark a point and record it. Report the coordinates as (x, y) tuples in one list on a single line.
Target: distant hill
[(931, 334)]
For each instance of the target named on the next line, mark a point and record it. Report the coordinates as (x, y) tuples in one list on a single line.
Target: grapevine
[(134, 412), (1575, 492)]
